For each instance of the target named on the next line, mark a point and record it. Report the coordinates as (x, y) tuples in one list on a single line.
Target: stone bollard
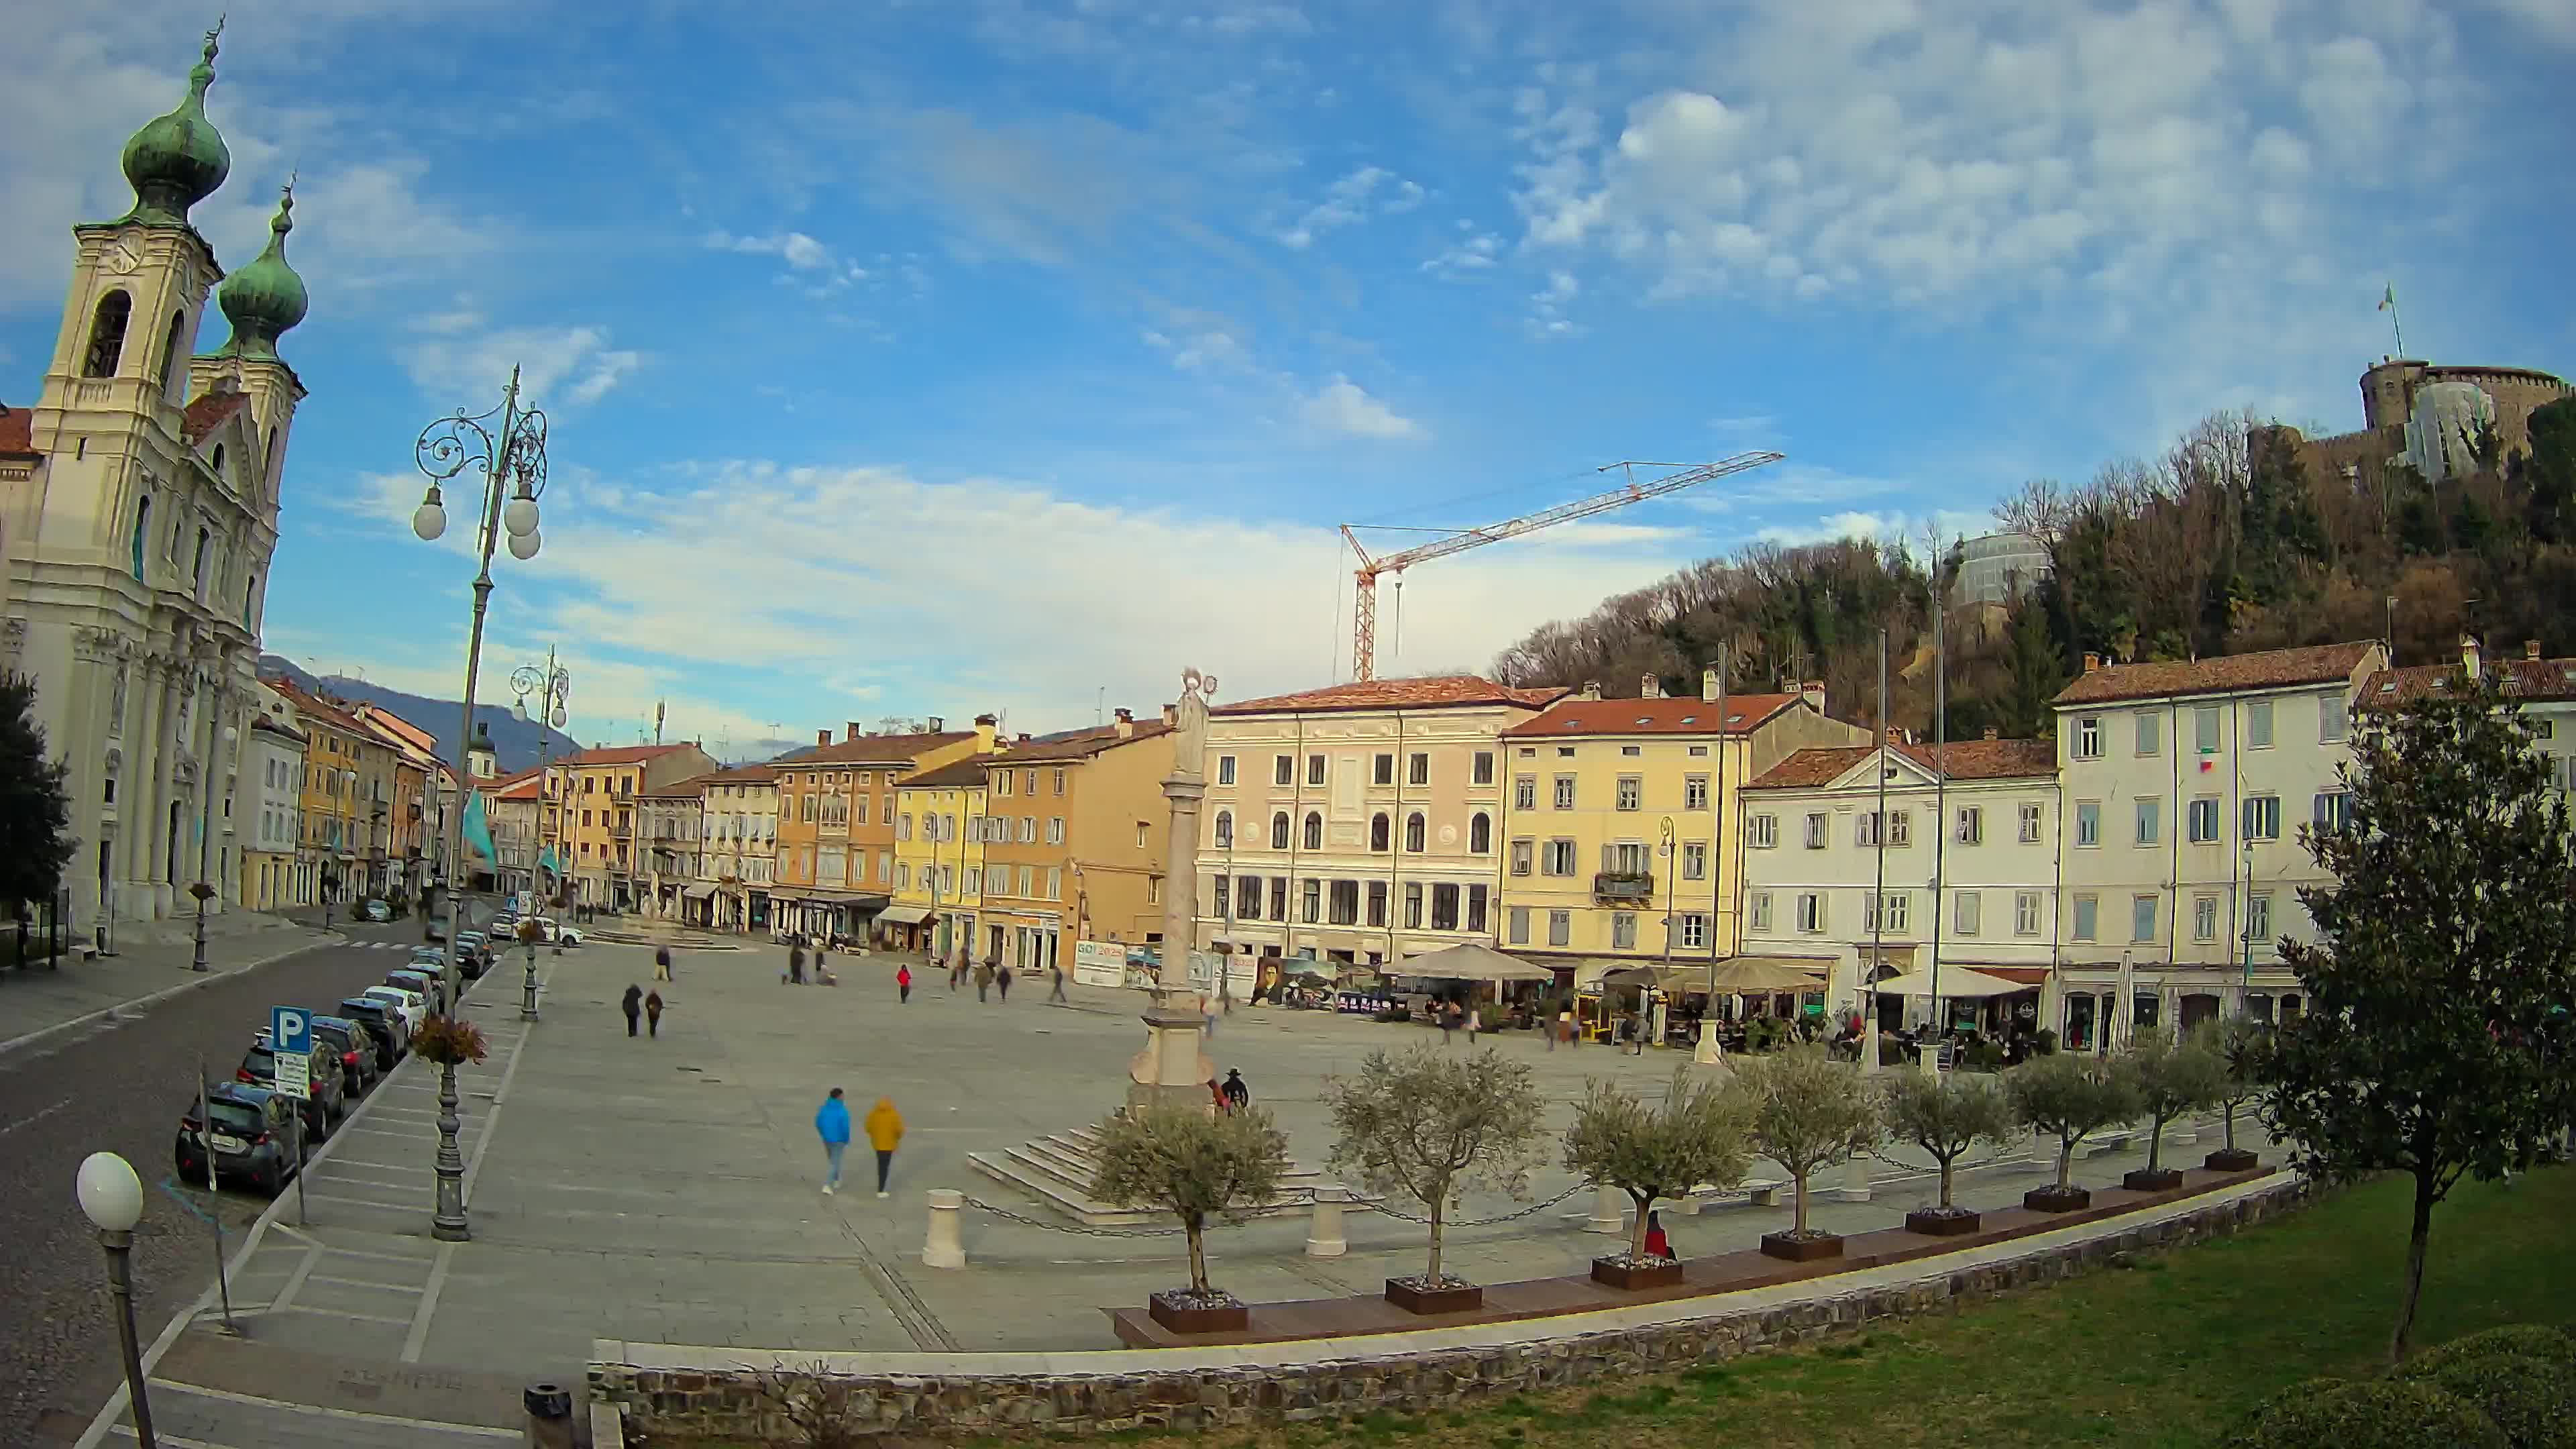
[(1324, 1234), (1855, 1184), (1609, 1212), (944, 1248), (549, 1409)]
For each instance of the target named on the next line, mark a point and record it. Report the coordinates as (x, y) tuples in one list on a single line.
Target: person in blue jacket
[(832, 1124)]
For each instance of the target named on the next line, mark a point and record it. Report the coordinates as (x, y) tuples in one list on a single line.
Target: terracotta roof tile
[(2534, 679), (276, 727), (1965, 759), (875, 749), (210, 412), (1445, 691), (1080, 744), (761, 774), (2267, 669), (966, 773), (313, 706), (1671, 716), (693, 785), (17, 433)]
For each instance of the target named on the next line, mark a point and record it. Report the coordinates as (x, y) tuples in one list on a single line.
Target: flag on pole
[(478, 828), (2388, 297), (546, 862)]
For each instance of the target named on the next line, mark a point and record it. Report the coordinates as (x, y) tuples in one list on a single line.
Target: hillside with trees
[(2224, 543)]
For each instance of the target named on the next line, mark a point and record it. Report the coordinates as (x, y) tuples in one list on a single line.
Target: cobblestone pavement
[(666, 1189)]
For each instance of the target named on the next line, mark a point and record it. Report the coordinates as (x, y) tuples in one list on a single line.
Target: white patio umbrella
[(1956, 981)]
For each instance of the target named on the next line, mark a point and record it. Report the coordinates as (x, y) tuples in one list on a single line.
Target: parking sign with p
[(290, 1034)]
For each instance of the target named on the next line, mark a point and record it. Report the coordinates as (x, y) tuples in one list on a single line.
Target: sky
[(910, 359)]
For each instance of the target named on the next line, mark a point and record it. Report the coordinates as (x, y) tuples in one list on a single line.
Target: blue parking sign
[(291, 1029)]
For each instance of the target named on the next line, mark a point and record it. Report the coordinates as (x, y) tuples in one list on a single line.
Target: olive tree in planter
[(1696, 1134), (1195, 1165), (1431, 1124), (2170, 1078), (2239, 1043), (1945, 1115), (2070, 1096), (1810, 1113)]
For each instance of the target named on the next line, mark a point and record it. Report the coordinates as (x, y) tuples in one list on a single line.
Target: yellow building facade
[(588, 816), (341, 757), (938, 858), (1621, 824)]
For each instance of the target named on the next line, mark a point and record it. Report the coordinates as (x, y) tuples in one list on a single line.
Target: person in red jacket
[(1657, 1245), (903, 984)]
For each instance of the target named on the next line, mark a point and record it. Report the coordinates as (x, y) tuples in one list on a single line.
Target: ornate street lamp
[(507, 446), (204, 893), (111, 1197)]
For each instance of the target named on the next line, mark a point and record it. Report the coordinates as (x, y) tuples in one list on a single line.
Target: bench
[(2103, 1143), (1759, 1191)]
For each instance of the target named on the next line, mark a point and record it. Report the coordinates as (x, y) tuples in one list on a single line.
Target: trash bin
[(549, 1416)]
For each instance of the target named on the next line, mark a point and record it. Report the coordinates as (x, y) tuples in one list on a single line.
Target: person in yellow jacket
[(885, 1128)]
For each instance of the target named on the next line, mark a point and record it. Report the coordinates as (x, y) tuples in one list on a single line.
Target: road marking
[(295, 1281), (324, 1411), (369, 1282), (37, 1116), (427, 1308), (352, 1317), (376, 1166), (171, 1439), (350, 1179), (366, 1202), (375, 1257)]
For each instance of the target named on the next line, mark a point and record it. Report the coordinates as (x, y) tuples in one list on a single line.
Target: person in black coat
[(633, 1006)]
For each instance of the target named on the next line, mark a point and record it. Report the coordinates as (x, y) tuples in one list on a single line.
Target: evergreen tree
[(2033, 673), (2445, 943), (35, 810)]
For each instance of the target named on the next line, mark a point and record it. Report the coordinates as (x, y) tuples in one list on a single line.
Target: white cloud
[(1350, 200), (793, 247), (1343, 406), (1547, 317), (1475, 251), (1197, 350), (556, 364)]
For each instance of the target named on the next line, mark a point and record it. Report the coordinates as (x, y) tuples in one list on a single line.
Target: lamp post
[(510, 453), (551, 684), (111, 1196), (529, 930), (204, 893)]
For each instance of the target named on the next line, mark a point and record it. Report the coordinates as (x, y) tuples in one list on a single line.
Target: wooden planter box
[(2054, 1199), (2163, 1179), (1191, 1316), (1630, 1277), (1933, 1223), (1404, 1294), (2231, 1159), (1801, 1250)]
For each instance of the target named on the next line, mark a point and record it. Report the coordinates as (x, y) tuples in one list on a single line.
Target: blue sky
[(927, 358)]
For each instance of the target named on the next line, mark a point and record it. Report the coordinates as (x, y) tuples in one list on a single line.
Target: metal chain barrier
[(1379, 1205), (1083, 1229)]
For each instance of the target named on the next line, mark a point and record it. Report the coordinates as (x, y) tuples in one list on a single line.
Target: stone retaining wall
[(717, 1396)]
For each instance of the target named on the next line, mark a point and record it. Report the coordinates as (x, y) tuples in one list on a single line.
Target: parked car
[(385, 1022), (380, 911), (356, 1047), (413, 1005), (429, 958), (473, 955), (430, 986), (250, 1138), (325, 1101)]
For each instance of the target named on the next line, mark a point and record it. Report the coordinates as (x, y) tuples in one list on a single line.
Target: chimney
[(1991, 732), (1708, 686), (985, 724), (1813, 692), (2531, 649), (1895, 736), (938, 725), (1171, 715), (1023, 739), (822, 737), (1126, 724), (2469, 655), (2092, 662), (1592, 689), (1650, 687), (850, 730)]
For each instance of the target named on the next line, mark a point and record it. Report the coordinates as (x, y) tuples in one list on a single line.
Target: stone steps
[(1057, 1170)]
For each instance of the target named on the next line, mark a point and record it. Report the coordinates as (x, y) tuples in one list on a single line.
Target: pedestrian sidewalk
[(39, 1004)]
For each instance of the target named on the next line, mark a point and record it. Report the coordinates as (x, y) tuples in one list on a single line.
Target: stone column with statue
[(1172, 1070)]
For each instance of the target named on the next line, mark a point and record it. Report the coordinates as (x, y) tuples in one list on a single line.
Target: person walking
[(984, 979), (902, 984), (819, 973), (1207, 1014), (632, 1005), (1475, 1020), (653, 1015), (1237, 1094), (662, 964), (832, 1124), (885, 1130), (796, 960), (1056, 994), (1002, 978)]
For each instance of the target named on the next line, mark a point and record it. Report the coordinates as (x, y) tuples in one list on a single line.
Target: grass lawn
[(2171, 1352)]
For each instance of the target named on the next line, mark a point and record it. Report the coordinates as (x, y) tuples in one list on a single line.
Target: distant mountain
[(519, 743)]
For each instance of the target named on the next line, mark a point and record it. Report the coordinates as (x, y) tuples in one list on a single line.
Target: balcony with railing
[(1623, 886)]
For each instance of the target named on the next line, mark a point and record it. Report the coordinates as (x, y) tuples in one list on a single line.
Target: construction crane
[(1364, 607)]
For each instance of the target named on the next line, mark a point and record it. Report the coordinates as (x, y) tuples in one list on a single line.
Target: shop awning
[(1757, 975), (1956, 981), (904, 915), (702, 890), (1468, 961), (2025, 976)]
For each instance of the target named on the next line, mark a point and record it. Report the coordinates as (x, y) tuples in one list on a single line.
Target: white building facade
[(738, 844), (2185, 784), (1295, 786), (1961, 870), (138, 512), (268, 815)]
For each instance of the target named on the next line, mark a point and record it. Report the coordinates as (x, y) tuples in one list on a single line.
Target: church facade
[(138, 515)]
